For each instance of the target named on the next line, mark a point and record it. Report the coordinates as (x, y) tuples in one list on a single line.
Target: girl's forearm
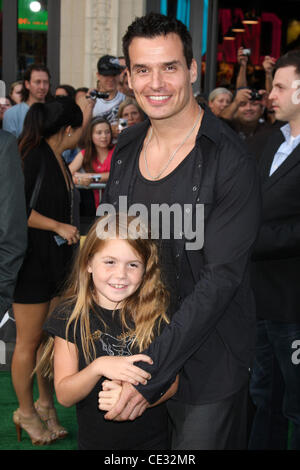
[(74, 388)]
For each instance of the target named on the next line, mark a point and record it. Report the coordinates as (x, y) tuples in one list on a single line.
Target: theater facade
[(70, 35)]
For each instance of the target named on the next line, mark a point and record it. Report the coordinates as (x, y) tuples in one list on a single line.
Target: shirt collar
[(210, 127), (286, 130)]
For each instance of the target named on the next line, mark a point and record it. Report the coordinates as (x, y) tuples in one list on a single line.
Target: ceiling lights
[(250, 18), (229, 36), (238, 27)]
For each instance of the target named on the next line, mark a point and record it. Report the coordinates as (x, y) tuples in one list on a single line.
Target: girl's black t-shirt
[(149, 431)]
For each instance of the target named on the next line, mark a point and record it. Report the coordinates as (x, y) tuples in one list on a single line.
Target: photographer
[(242, 96), (105, 101), (244, 114)]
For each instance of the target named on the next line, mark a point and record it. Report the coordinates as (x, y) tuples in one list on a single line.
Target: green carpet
[(8, 436), (67, 417)]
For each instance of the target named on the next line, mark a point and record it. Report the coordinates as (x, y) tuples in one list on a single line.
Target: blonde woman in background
[(131, 111), (219, 99)]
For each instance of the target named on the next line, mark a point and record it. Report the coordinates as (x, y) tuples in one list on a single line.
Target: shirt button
[(117, 182), (119, 162), (177, 276), (195, 188)]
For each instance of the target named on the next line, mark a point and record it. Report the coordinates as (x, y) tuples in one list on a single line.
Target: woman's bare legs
[(29, 323)]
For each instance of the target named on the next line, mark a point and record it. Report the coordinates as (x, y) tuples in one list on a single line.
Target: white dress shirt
[(285, 149)]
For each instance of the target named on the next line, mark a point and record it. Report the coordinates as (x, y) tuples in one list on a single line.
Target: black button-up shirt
[(211, 337)]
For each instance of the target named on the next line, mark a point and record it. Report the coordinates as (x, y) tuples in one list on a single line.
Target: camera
[(96, 177), (255, 96), (122, 124), (94, 94), (246, 51)]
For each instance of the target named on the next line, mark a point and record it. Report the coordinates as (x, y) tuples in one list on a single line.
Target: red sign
[(250, 39)]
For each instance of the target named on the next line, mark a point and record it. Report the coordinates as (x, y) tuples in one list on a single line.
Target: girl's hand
[(68, 232), (110, 394), (122, 368), (82, 179)]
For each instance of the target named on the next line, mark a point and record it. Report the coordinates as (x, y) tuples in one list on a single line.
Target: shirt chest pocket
[(205, 200)]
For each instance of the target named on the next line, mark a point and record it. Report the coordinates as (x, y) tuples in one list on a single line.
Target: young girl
[(96, 157), (114, 306)]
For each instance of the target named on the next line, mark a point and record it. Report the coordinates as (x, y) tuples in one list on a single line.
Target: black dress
[(46, 264), (149, 431)]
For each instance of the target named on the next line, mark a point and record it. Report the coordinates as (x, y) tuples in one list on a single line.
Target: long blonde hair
[(146, 307)]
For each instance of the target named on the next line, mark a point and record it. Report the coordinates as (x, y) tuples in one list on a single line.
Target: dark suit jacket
[(13, 232), (276, 258), (211, 337)]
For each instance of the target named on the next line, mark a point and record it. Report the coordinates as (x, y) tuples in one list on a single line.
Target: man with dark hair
[(245, 116), (184, 156), (275, 383), (36, 86), (148, 27)]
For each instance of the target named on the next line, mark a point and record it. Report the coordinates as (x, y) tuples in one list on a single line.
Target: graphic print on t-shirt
[(114, 346)]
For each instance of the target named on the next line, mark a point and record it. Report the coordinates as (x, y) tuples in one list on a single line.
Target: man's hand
[(268, 64), (264, 97), (242, 59), (130, 406), (243, 95)]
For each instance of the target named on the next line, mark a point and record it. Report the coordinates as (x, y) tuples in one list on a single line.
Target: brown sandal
[(34, 427), (49, 417)]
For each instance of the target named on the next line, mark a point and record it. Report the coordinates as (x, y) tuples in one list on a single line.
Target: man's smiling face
[(159, 75)]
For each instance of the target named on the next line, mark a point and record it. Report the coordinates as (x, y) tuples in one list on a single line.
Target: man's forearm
[(169, 393), (269, 82), (241, 80), (229, 111), (179, 340)]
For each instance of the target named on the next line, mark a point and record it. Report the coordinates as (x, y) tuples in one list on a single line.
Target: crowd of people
[(159, 346)]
